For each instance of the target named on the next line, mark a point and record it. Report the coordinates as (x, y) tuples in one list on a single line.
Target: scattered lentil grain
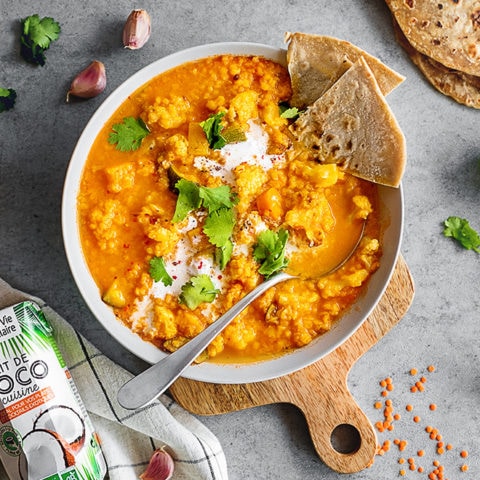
[(390, 416)]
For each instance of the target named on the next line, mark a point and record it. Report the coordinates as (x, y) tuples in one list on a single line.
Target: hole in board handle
[(345, 439)]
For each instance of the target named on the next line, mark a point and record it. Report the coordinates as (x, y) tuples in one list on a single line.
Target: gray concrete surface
[(442, 179)]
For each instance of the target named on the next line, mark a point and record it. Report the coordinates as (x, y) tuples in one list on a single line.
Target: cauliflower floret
[(364, 207), (120, 177), (243, 107), (250, 181), (105, 221), (157, 227), (169, 112), (313, 215), (164, 322)]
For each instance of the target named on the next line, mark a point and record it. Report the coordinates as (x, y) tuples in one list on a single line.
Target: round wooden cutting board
[(320, 390)]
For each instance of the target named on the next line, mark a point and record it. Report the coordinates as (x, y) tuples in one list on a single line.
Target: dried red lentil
[(387, 425)]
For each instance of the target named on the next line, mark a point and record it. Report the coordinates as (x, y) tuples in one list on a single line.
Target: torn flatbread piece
[(316, 62), (352, 125), (460, 86), (446, 30)]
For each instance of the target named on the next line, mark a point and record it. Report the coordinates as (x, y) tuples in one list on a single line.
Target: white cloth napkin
[(129, 437)]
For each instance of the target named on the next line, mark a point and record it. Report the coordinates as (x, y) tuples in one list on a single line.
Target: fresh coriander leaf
[(37, 35), (41, 31), (212, 127), (219, 226), (270, 251), (198, 290), (188, 199), (128, 135), (223, 254), (158, 271), (290, 113), (215, 198), (7, 99), (460, 229)]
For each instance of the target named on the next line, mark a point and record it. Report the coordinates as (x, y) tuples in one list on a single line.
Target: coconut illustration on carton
[(58, 434), (64, 421)]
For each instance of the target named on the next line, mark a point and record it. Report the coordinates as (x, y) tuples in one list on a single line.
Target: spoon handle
[(148, 385)]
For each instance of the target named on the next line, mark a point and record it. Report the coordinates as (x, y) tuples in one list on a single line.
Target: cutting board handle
[(341, 433)]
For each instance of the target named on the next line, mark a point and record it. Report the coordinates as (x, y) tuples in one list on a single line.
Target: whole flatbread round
[(462, 87), (316, 62), (448, 31)]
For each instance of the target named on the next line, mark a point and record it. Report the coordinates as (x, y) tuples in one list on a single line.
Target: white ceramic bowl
[(392, 212)]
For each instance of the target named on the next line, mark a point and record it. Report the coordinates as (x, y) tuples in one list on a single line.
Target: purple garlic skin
[(90, 82), (137, 29), (161, 466)]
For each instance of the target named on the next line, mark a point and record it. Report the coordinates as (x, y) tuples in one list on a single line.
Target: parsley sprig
[(37, 35), (129, 134), (460, 230)]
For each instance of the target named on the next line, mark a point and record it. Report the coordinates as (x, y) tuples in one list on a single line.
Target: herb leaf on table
[(460, 230), (7, 99), (37, 35)]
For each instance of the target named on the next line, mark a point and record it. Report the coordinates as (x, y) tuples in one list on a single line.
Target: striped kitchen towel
[(129, 438)]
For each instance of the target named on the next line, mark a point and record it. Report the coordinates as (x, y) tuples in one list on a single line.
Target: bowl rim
[(210, 372)]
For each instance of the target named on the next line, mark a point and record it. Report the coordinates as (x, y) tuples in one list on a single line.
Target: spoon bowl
[(148, 385)]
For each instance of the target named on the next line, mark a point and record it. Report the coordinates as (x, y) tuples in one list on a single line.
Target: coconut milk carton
[(45, 432)]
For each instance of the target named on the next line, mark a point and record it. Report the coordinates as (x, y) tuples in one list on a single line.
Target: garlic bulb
[(160, 467), (89, 82), (136, 31)]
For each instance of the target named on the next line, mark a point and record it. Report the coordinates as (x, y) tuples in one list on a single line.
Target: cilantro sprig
[(270, 251), (213, 127), (460, 230), (37, 35), (158, 271), (288, 112), (7, 99), (199, 289), (217, 135), (129, 134), (220, 221)]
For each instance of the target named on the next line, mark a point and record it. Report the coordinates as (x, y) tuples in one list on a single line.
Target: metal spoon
[(148, 385)]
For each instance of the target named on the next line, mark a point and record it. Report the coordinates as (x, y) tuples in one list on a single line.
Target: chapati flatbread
[(316, 62), (352, 125), (446, 30), (462, 87)]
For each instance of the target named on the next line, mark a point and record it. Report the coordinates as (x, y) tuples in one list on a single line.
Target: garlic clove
[(161, 466), (89, 82), (136, 31)]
